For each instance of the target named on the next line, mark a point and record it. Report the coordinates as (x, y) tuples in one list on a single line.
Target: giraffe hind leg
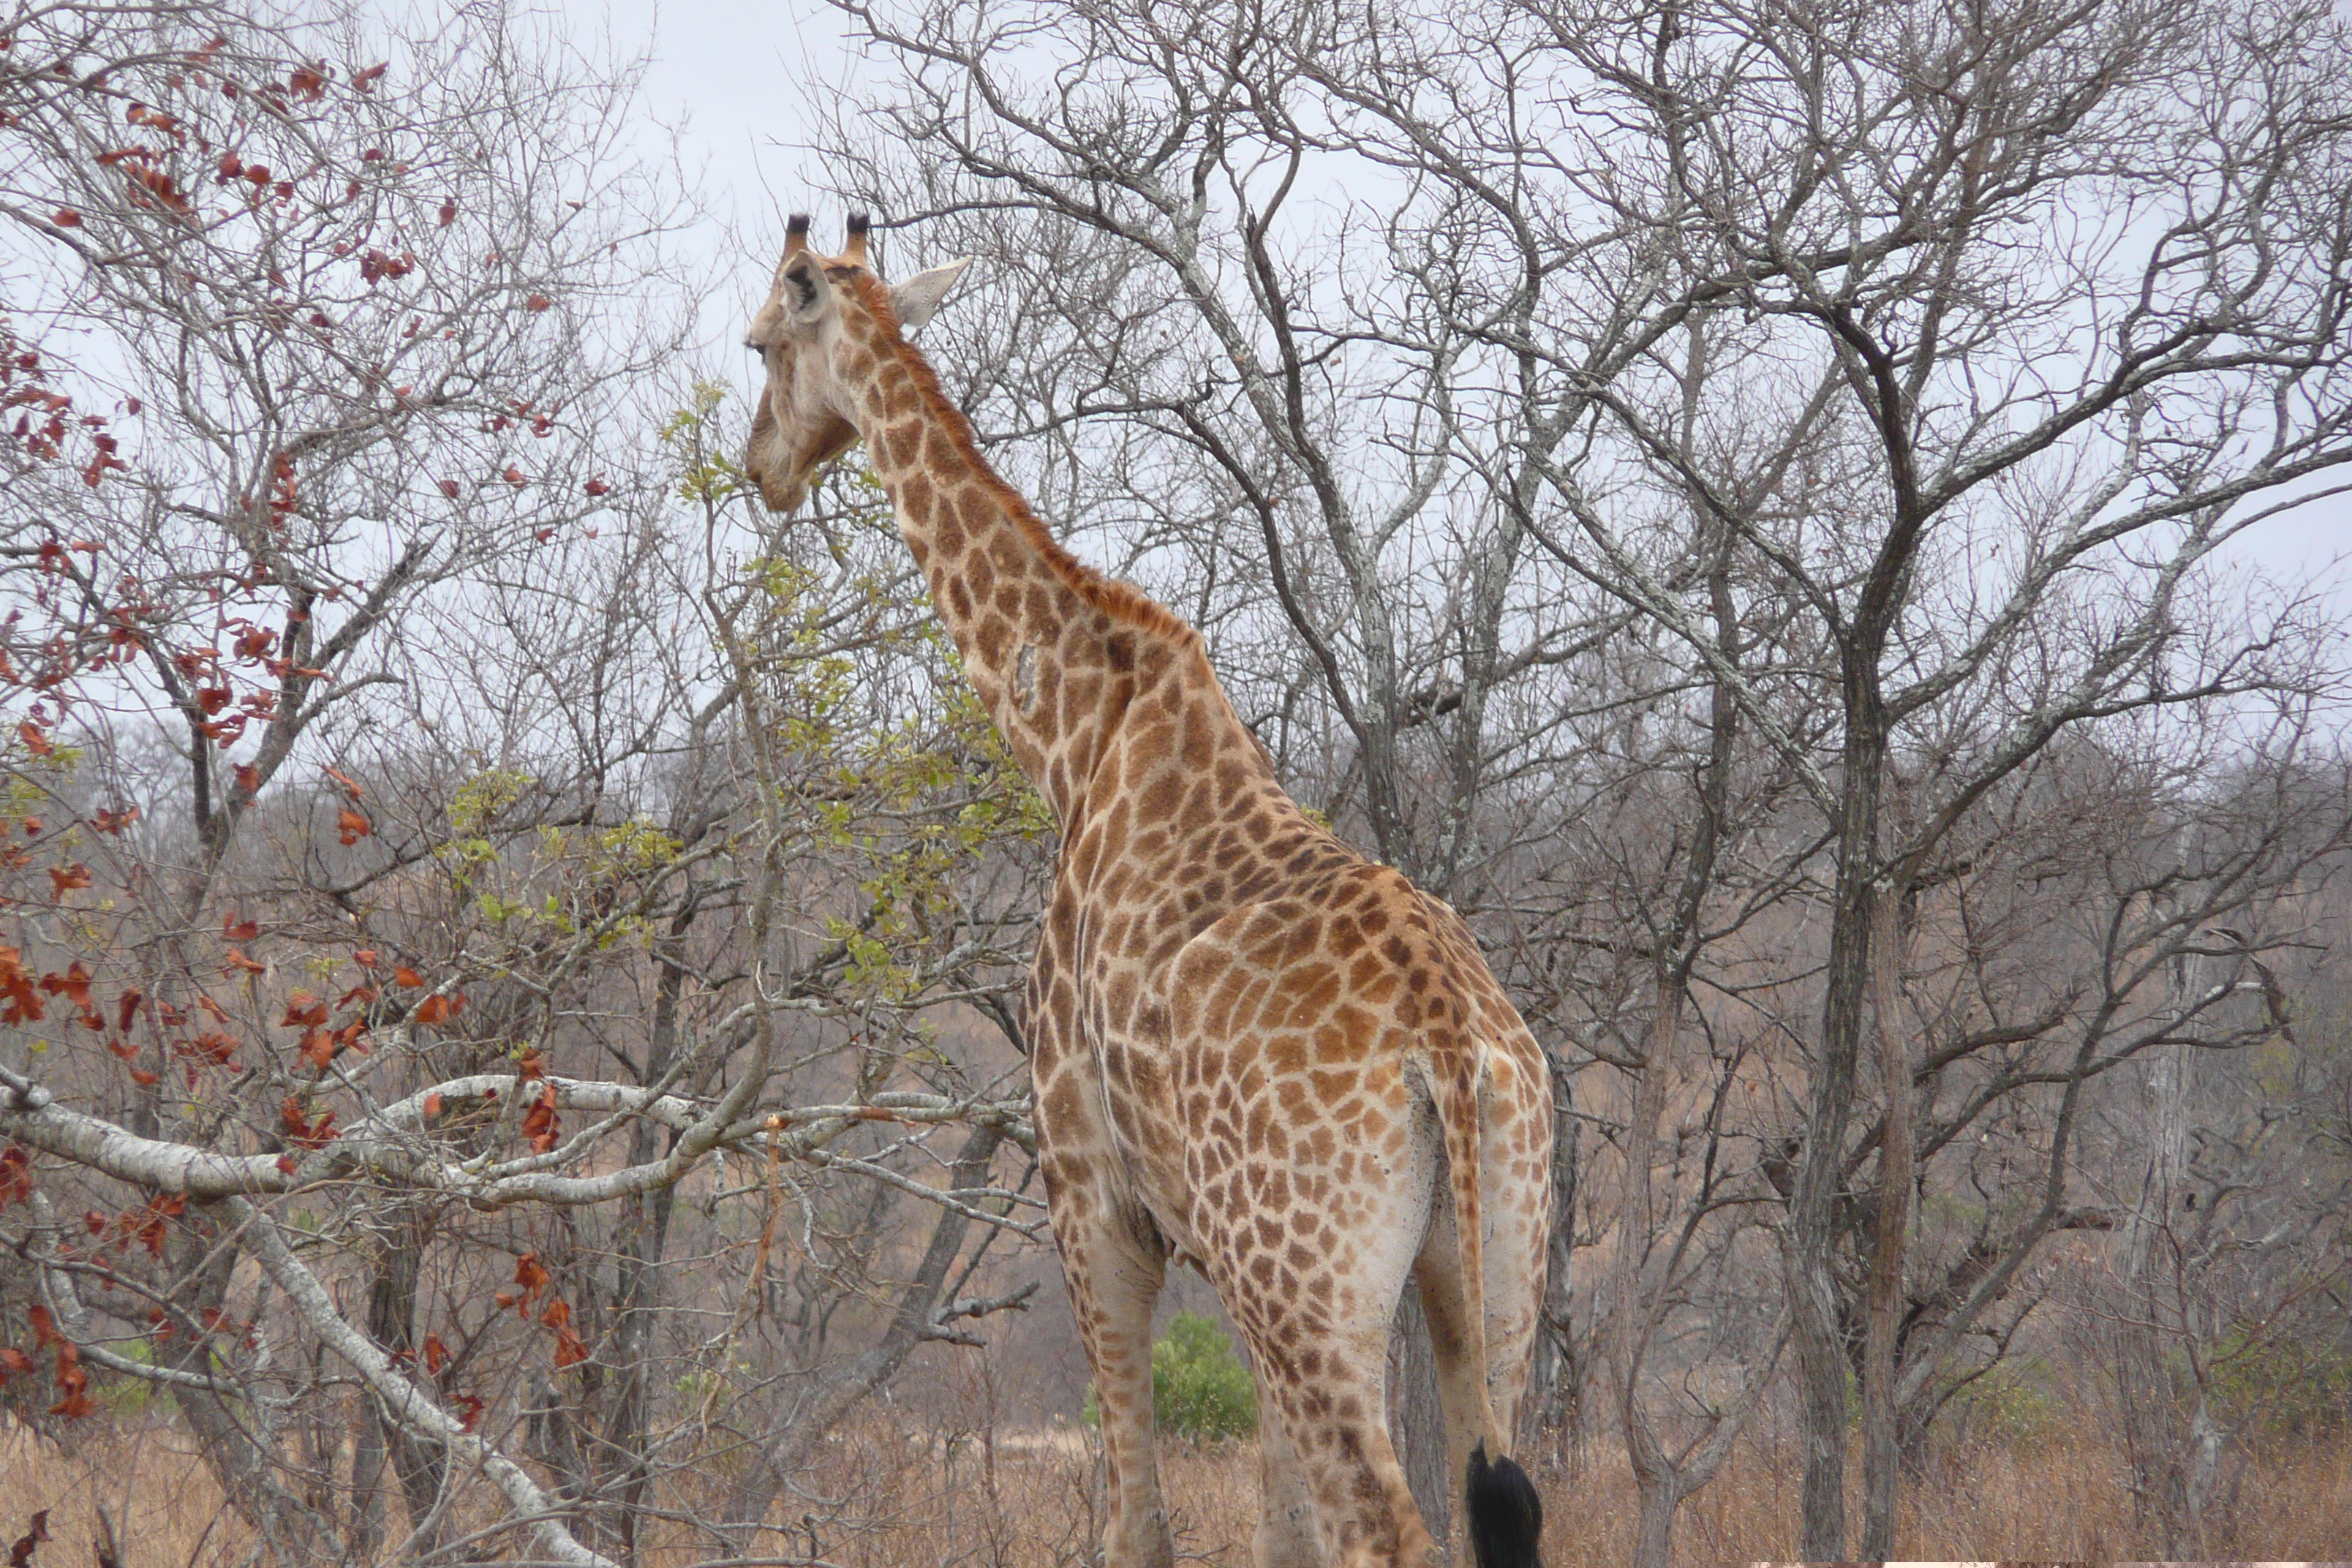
[(1316, 1304), (1334, 1428), (1437, 1274), (1502, 1514), (1286, 1534)]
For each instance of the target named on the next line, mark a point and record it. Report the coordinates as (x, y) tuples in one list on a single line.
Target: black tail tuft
[(1506, 1515)]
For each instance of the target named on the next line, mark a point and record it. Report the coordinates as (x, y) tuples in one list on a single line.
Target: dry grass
[(898, 1492), (2065, 1499), (149, 1481)]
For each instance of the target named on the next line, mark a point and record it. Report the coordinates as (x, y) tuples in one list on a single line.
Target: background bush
[(1201, 1390)]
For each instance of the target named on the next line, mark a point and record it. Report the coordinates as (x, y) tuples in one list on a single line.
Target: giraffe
[(1252, 1050)]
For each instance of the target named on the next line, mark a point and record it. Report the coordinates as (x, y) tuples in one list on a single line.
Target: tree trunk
[(2165, 1443), (366, 1533), (1810, 1257), (420, 1467), (286, 1529), (746, 1508), (636, 1292), (1881, 1455), (1640, 1296), (1653, 1521)]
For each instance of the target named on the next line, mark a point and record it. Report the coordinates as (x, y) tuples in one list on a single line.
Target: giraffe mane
[(1122, 601)]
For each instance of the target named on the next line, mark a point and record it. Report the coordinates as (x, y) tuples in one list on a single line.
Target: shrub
[(2284, 1385), (2014, 1402), (1200, 1389), (1201, 1392)]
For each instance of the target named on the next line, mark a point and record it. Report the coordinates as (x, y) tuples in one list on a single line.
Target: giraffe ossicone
[(1251, 1047)]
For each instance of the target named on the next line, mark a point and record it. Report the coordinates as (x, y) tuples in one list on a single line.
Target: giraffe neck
[(1055, 650)]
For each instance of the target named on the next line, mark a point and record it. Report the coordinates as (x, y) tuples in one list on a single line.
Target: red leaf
[(433, 1105), (351, 827), (15, 1360), (597, 487), (235, 930), (530, 1065), (300, 1132), (449, 488), (248, 778), (403, 975), (366, 79), (434, 1009), (542, 534), (531, 1274), (65, 879), (22, 1553), (72, 1379), (211, 1046), (319, 1048), (304, 1010), (45, 1332), (472, 1406), (344, 779), (16, 1177), (73, 985), (570, 1351), (448, 212), (143, 1077), (540, 1124), (365, 957), (537, 303), (437, 1355), (126, 1009), (66, 217), (513, 475)]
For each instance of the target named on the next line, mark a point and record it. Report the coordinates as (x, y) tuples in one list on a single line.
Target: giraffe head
[(822, 314)]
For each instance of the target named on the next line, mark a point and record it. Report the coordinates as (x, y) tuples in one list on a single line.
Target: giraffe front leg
[(1114, 1277)]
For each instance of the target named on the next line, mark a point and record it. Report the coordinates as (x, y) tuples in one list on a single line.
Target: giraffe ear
[(919, 296), (806, 295)]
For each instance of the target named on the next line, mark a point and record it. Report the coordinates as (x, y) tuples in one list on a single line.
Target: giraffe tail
[(1504, 1514)]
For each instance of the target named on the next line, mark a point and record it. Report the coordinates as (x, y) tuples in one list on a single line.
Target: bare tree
[(1982, 334), (452, 829)]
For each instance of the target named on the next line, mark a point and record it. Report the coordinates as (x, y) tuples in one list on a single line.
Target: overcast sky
[(723, 71)]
